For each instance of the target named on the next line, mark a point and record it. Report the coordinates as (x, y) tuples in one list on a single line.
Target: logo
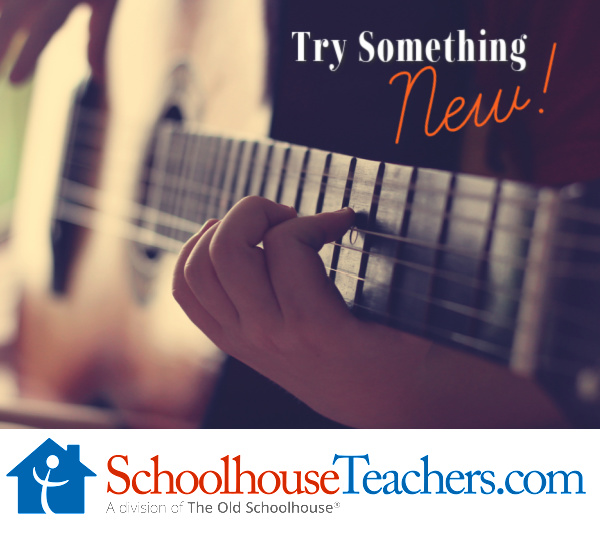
[(52, 480)]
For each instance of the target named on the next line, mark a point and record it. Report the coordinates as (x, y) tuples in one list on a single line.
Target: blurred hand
[(42, 19)]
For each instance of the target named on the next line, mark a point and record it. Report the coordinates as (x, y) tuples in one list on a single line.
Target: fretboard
[(455, 258)]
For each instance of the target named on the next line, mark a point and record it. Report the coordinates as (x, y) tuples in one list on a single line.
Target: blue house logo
[(52, 480)]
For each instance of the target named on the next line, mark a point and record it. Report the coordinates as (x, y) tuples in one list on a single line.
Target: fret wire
[(229, 185), (404, 226), (373, 210), (266, 170), (203, 177), (176, 163), (282, 173), (187, 208), (485, 253), (219, 172), (250, 171), (214, 152), (440, 242), (157, 178)]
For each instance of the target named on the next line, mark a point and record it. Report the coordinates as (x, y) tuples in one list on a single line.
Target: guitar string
[(86, 217), (587, 217), (468, 311), (565, 239), (546, 362), (83, 215), (85, 194)]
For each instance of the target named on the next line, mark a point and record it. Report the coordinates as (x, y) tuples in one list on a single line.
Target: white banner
[(299, 482)]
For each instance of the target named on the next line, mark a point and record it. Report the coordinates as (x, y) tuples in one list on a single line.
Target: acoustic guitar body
[(98, 323)]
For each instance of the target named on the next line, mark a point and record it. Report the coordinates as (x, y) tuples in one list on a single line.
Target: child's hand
[(277, 311), (42, 19)]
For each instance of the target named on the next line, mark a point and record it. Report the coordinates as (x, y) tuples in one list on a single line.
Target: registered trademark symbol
[(336, 505)]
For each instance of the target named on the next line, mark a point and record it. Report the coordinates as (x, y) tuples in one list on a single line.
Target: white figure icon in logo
[(52, 463)]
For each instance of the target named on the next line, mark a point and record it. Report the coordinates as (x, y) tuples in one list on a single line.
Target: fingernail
[(345, 209)]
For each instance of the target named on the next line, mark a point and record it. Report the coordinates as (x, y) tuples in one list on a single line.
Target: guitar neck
[(493, 267), (459, 259)]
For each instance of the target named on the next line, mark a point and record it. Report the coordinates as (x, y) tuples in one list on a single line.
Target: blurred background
[(97, 355), (16, 101)]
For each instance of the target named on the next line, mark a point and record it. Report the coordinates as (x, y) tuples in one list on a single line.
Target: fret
[(350, 260), (512, 246), (206, 177), (436, 313), (487, 213), (310, 189), (218, 172), (230, 178), (243, 170), (276, 170), (340, 173), (295, 169), (156, 178), (527, 337), (380, 269), (260, 164), (570, 326), (423, 223), (466, 241), (172, 182), (194, 189)]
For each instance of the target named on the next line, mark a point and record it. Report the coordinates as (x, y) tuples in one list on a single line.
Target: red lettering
[(219, 482), (119, 474), (260, 482), (157, 473), (298, 489), (238, 475), (313, 482), (324, 478), (134, 482), (178, 482), (225, 461)]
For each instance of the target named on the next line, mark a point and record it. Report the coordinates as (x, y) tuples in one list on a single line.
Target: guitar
[(492, 267)]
